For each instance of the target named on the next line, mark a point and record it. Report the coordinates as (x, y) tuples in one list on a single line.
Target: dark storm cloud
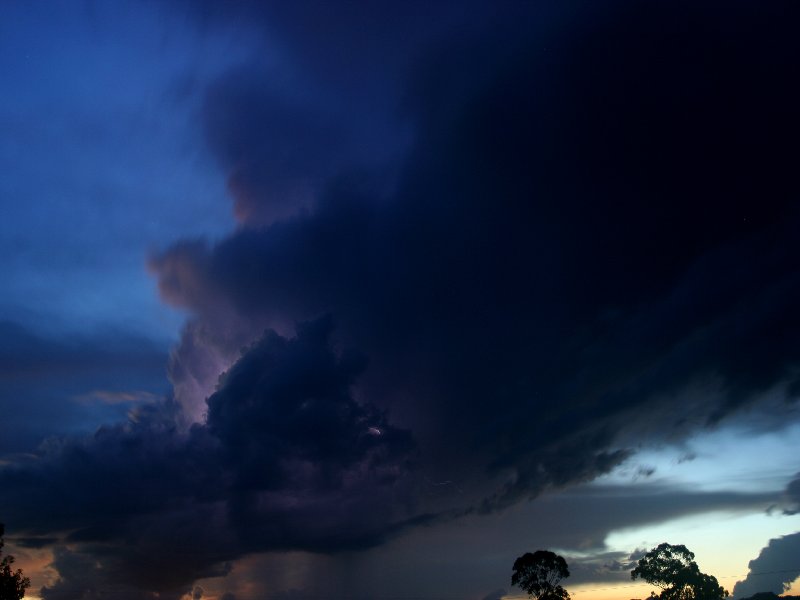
[(276, 151), (608, 567), (282, 126), (298, 445), (793, 496), (35, 542), (773, 570), (587, 514), (467, 557), (82, 575), (85, 577), (286, 460), (597, 210), (592, 218), (291, 400), (348, 49), (50, 386)]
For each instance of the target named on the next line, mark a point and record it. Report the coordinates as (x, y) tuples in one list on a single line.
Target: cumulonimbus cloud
[(588, 221), (773, 570), (576, 236), (286, 459)]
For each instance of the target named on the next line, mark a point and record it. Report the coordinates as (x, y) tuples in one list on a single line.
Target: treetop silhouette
[(12, 584), (539, 574), (673, 569)]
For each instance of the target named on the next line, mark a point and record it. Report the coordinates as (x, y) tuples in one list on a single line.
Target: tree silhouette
[(12, 585), (539, 574), (672, 568)]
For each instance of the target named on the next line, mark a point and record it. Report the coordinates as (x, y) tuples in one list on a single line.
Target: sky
[(365, 300)]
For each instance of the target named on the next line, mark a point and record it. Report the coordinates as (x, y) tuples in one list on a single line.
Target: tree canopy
[(673, 569), (12, 584), (539, 574)]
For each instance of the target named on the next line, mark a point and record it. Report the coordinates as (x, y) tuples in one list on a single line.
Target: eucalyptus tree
[(539, 574)]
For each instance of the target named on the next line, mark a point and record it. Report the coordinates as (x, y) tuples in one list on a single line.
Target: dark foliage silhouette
[(540, 573), (673, 569), (12, 584)]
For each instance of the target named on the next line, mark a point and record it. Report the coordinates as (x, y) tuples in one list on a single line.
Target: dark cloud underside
[(589, 217), (286, 460)]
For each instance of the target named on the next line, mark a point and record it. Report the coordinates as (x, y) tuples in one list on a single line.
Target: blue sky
[(102, 158)]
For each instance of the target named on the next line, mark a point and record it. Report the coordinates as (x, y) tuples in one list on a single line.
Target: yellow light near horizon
[(622, 591), (723, 542), (595, 592), (794, 588)]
